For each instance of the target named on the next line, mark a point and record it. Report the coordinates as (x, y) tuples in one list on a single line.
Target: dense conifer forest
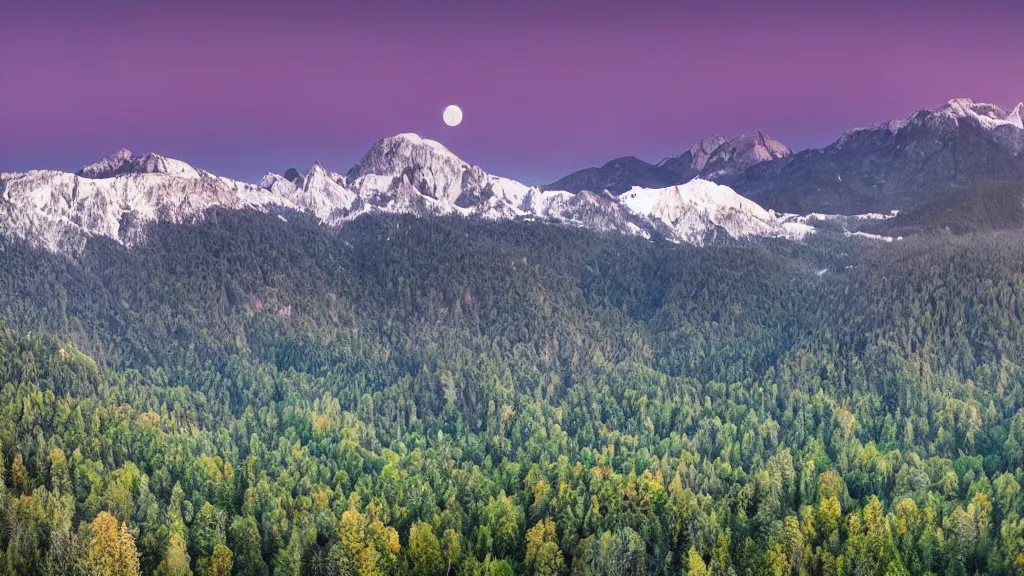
[(256, 395)]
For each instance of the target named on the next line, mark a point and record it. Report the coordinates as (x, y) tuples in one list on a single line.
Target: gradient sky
[(243, 88)]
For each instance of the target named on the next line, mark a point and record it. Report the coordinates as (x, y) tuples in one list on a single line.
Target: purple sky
[(547, 87)]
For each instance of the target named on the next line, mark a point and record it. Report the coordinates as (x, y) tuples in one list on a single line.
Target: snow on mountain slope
[(125, 163), (117, 196), (509, 191), (842, 218), (59, 210), (320, 192), (108, 166), (426, 165), (949, 115), (989, 116), (600, 212), (1016, 116), (446, 184), (691, 211)]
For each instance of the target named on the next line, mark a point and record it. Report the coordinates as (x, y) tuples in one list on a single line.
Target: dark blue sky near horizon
[(243, 88)]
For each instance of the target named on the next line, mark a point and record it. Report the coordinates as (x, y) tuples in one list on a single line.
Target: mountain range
[(960, 165), (711, 158), (117, 196)]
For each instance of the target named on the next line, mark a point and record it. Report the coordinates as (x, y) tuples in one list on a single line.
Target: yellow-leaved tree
[(111, 550), (543, 557)]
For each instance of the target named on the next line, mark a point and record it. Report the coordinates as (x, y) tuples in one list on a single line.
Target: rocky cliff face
[(740, 153)]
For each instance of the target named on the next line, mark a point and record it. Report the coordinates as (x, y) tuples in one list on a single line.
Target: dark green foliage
[(440, 396)]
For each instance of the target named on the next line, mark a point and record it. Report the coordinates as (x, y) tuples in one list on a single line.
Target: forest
[(258, 396)]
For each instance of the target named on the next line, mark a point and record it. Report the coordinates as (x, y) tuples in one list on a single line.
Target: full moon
[(452, 115)]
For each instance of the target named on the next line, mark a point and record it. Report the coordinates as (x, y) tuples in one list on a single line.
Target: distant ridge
[(711, 157), (959, 166), (407, 174)]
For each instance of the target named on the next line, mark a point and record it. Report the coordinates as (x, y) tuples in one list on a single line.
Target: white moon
[(452, 115)]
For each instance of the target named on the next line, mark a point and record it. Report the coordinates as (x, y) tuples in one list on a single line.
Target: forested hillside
[(260, 395)]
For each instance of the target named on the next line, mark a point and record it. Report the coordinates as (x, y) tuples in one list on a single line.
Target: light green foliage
[(443, 397)]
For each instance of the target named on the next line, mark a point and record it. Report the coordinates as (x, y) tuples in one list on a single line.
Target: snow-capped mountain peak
[(1005, 127), (1016, 116), (401, 174), (989, 116), (320, 192), (155, 164), (390, 156), (692, 211), (112, 198), (421, 165), (124, 162), (317, 171), (107, 166)]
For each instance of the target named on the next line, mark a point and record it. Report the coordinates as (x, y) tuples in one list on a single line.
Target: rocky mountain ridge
[(959, 166), (710, 158), (119, 195)]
